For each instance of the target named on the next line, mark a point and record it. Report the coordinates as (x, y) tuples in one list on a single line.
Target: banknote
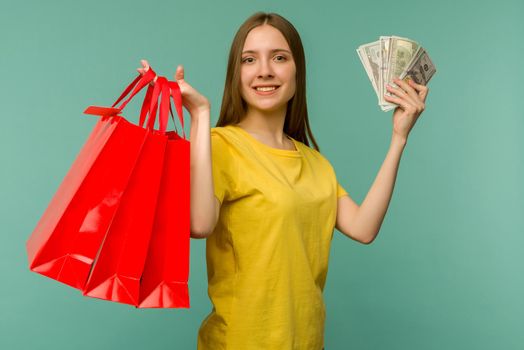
[(394, 57), (384, 62), (363, 59), (370, 56), (401, 53), (420, 70)]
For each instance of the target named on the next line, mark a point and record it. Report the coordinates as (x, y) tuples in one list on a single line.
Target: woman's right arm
[(204, 206)]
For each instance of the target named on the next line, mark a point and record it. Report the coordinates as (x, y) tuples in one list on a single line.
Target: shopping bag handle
[(163, 88), (138, 84), (140, 81), (176, 94), (167, 90), (160, 89)]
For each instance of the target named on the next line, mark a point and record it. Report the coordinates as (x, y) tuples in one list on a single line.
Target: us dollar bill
[(364, 62), (384, 56), (394, 57), (420, 70), (401, 53), (370, 57)]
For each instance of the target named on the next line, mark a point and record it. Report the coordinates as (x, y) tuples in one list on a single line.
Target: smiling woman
[(268, 251), (266, 201)]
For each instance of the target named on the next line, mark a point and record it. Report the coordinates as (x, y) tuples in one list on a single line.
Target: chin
[(268, 108), (269, 105)]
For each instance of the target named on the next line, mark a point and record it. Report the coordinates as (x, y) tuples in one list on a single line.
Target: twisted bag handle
[(175, 92), (164, 88), (167, 89), (160, 87), (138, 84)]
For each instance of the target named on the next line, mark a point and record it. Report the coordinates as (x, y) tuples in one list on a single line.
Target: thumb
[(179, 75)]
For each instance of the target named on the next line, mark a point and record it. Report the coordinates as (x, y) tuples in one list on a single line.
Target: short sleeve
[(222, 166), (340, 190)]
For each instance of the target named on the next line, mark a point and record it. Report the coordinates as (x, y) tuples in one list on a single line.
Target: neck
[(266, 124)]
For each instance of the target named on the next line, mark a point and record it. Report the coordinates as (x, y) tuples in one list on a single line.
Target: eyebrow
[(275, 50)]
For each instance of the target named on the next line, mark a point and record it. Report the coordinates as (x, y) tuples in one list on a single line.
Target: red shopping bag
[(118, 268), (67, 238), (164, 282), (119, 273)]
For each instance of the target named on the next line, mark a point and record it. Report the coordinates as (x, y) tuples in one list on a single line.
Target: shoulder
[(223, 134), (220, 137), (225, 139), (219, 132), (313, 155), (223, 145)]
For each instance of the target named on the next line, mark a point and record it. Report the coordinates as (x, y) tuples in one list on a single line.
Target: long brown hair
[(233, 107)]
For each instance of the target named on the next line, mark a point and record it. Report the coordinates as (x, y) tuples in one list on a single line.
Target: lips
[(265, 86), (266, 92), (265, 89)]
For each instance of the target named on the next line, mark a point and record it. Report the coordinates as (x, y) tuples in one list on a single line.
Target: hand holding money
[(393, 57), (411, 99), (399, 70)]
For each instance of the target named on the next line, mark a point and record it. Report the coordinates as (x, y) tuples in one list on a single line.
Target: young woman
[(266, 201)]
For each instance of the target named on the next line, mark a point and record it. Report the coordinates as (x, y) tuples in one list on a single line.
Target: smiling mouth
[(266, 88)]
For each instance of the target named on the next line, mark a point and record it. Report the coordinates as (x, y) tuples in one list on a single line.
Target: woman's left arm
[(362, 223)]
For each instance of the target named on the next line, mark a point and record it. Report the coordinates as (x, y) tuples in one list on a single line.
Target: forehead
[(265, 37)]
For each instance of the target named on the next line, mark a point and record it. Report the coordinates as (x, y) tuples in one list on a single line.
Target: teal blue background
[(446, 271)]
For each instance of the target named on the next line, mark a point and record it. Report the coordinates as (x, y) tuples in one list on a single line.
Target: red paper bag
[(164, 282), (116, 272), (65, 242)]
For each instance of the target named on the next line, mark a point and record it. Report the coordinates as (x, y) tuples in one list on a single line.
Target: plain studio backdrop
[(446, 271)]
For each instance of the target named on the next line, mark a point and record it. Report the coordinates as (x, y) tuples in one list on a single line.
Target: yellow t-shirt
[(267, 258)]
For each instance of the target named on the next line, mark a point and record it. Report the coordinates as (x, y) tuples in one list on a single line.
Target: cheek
[(246, 75), (292, 89), (292, 81), (290, 75), (244, 81)]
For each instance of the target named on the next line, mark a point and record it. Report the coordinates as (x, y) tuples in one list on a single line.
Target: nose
[(265, 69)]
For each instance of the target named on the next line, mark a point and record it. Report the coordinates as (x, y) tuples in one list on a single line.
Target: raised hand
[(191, 98), (411, 100)]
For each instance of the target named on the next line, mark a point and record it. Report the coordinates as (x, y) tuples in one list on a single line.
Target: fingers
[(408, 107), (407, 92), (407, 104), (145, 66), (401, 93), (408, 89), (422, 89), (179, 75)]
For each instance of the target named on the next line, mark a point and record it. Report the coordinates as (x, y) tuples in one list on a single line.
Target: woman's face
[(267, 63)]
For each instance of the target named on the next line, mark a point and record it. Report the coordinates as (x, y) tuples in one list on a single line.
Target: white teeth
[(266, 88)]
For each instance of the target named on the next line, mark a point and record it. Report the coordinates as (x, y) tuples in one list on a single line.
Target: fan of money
[(393, 57)]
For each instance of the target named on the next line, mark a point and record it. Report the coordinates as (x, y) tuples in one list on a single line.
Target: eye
[(283, 57), (246, 59)]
